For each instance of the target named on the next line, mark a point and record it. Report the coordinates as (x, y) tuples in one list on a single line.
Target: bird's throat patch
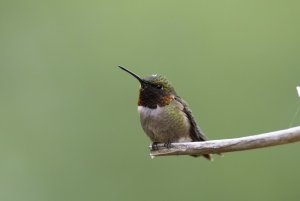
[(149, 101)]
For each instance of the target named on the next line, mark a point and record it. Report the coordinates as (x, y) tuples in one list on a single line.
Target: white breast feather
[(145, 111)]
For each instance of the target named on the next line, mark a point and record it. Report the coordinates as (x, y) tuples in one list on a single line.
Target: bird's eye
[(159, 86)]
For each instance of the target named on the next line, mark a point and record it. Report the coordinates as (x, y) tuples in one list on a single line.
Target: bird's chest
[(163, 124), (153, 122), (151, 116)]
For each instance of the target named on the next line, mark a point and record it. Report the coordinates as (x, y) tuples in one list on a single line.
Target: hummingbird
[(164, 116)]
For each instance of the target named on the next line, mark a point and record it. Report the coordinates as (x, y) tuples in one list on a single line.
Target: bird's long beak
[(141, 80)]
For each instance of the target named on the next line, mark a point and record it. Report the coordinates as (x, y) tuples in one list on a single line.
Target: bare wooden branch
[(230, 145)]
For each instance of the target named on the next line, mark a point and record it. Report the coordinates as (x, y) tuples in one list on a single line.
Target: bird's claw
[(167, 145), (154, 146)]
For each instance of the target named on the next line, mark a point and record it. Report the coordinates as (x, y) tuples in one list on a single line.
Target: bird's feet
[(167, 145), (154, 146)]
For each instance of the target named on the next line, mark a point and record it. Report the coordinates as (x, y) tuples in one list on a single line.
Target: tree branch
[(230, 145)]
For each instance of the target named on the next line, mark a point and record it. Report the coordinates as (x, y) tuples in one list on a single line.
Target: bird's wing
[(195, 131)]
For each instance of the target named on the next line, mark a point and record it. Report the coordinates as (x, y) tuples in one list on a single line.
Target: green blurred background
[(69, 129)]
